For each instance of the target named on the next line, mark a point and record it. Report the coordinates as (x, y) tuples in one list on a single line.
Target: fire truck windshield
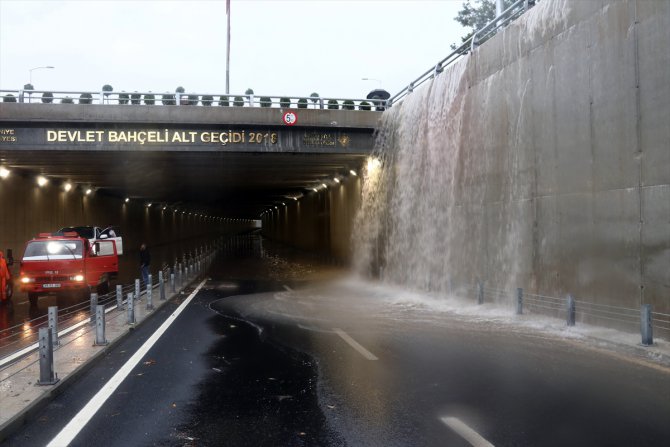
[(47, 250)]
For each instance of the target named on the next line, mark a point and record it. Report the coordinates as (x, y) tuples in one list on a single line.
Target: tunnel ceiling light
[(314, 189), (41, 181), (67, 186), (324, 186), (352, 172), (336, 180), (88, 191), (127, 199), (373, 164), (4, 172)]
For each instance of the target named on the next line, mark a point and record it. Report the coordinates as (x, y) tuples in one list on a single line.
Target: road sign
[(290, 118)]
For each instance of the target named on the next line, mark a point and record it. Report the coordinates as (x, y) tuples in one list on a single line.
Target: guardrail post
[(46, 352), (53, 324), (571, 310), (519, 301), (94, 304), (172, 282), (137, 289), (100, 326), (161, 286), (150, 301), (646, 327), (480, 292), (119, 297), (131, 309)]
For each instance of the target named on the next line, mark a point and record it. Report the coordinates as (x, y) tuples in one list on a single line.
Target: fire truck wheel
[(32, 297), (103, 287)]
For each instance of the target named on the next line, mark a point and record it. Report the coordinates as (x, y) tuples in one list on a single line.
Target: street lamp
[(37, 68)]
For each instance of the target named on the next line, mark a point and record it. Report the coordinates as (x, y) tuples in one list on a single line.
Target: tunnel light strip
[(72, 429)]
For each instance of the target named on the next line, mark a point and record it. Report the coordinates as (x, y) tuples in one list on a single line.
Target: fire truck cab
[(67, 263)]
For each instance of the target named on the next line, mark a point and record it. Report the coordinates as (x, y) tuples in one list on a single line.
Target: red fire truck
[(67, 263)]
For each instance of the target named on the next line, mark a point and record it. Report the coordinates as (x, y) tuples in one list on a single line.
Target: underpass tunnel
[(163, 176)]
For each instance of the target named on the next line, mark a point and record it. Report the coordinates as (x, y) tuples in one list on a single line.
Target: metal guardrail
[(189, 99), (576, 310), (21, 339), (479, 37)]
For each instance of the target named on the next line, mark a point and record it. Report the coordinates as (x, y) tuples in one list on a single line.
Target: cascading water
[(451, 200)]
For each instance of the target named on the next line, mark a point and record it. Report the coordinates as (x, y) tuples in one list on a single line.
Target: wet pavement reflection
[(19, 320)]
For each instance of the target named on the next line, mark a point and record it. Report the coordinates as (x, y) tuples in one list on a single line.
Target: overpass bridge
[(234, 162)]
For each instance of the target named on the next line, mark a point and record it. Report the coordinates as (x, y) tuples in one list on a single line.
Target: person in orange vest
[(4, 277)]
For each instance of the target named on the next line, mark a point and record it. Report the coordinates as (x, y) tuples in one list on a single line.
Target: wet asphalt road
[(260, 358), (18, 317)]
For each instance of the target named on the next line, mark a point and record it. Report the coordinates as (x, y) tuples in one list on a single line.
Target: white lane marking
[(72, 429), (474, 438), (288, 289), (354, 344)]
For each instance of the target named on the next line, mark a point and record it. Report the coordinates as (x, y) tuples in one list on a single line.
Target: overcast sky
[(287, 48)]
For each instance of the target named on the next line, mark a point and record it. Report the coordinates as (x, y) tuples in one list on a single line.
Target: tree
[(149, 99), (285, 102), (238, 101), (29, 88), (85, 98), (123, 97), (364, 105), (315, 97), (476, 14), (47, 97), (183, 100), (266, 101), (135, 98), (168, 99), (348, 105), (302, 103), (333, 104), (107, 88), (224, 101), (207, 100), (67, 100)]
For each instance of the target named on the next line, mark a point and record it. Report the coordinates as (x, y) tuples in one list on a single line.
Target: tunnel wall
[(28, 209), (541, 160), (320, 222)]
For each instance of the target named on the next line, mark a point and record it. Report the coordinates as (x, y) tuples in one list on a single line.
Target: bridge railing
[(189, 99), (477, 38)]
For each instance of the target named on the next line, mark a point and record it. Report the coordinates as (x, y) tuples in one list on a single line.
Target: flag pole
[(228, 48)]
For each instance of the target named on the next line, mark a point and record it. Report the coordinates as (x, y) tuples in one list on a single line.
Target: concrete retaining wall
[(541, 160)]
